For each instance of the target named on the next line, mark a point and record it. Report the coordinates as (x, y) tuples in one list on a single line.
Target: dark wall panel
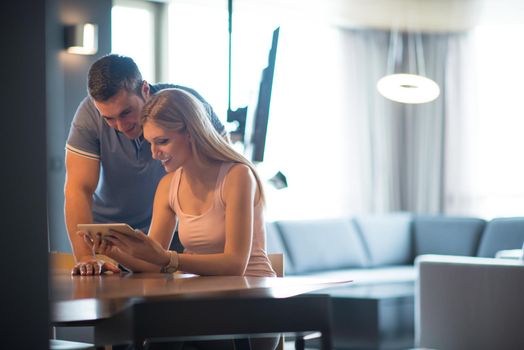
[(24, 295)]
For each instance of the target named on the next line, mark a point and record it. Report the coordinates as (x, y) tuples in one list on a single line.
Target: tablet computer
[(105, 229)]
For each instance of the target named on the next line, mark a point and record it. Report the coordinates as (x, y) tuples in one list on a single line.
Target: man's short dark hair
[(110, 74)]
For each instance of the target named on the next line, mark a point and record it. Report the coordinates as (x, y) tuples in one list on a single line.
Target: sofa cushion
[(274, 242), (387, 238), (447, 235), (323, 244), (501, 234)]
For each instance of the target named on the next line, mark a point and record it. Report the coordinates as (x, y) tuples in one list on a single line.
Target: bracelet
[(172, 266)]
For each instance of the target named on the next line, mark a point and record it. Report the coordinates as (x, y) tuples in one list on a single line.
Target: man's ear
[(146, 92)]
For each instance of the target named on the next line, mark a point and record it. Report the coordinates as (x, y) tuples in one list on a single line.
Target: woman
[(213, 191)]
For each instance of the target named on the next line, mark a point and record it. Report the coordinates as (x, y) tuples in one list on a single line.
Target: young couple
[(212, 190), (129, 138)]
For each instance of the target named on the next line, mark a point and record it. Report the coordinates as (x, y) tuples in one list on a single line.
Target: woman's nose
[(154, 151)]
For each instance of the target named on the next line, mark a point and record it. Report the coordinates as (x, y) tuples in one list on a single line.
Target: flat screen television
[(258, 111)]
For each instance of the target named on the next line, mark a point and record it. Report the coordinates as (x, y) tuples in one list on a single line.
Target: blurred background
[(344, 148)]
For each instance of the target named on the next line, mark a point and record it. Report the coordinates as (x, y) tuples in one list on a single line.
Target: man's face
[(122, 112)]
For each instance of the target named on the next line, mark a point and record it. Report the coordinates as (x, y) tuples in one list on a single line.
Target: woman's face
[(172, 148)]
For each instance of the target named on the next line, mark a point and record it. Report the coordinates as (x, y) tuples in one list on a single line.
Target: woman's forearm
[(134, 264), (213, 264)]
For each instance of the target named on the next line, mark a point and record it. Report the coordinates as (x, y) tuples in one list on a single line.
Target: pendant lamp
[(406, 81)]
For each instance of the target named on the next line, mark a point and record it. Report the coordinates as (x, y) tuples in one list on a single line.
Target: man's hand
[(93, 266), (89, 265)]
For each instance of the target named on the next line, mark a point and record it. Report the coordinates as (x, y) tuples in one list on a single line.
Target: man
[(110, 173)]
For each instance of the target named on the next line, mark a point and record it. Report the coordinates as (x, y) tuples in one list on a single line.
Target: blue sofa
[(378, 253)]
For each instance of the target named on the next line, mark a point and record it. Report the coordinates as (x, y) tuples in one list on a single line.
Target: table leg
[(326, 340), (242, 344), (139, 345), (300, 344)]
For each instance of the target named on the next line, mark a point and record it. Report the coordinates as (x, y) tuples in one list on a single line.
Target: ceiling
[(423, 15)]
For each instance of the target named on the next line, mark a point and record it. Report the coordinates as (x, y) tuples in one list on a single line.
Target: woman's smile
[(164, 158), (165, 161)]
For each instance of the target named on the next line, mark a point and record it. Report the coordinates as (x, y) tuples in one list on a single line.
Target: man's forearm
[(78, 211)]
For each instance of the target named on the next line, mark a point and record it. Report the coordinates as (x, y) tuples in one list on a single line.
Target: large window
[(133, 34), (306, 138), (496, 164), (198, 50)]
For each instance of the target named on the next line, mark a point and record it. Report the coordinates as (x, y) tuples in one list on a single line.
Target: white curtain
[(459, 154), (401, 147), (365, 56), (461, 112), (424, 134)]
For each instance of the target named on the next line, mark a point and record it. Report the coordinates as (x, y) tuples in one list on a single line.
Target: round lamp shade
[(408, 88)]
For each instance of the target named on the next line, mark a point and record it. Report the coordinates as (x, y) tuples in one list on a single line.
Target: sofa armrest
[(469, 303)]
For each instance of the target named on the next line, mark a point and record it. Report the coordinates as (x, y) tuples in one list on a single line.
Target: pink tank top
[(206, 233)]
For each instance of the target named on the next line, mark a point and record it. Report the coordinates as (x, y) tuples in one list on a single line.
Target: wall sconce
[(81, 39), (406, 81)]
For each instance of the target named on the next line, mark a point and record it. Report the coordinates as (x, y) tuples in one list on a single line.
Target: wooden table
[(134, 307)]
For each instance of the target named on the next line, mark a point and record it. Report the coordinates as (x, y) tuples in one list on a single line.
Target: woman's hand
[(98, 244), (140, 246)]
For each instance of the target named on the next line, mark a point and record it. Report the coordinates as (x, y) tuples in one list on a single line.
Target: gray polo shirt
[(128, 173)]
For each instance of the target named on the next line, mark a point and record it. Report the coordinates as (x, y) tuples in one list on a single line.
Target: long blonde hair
[(177, 110)]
